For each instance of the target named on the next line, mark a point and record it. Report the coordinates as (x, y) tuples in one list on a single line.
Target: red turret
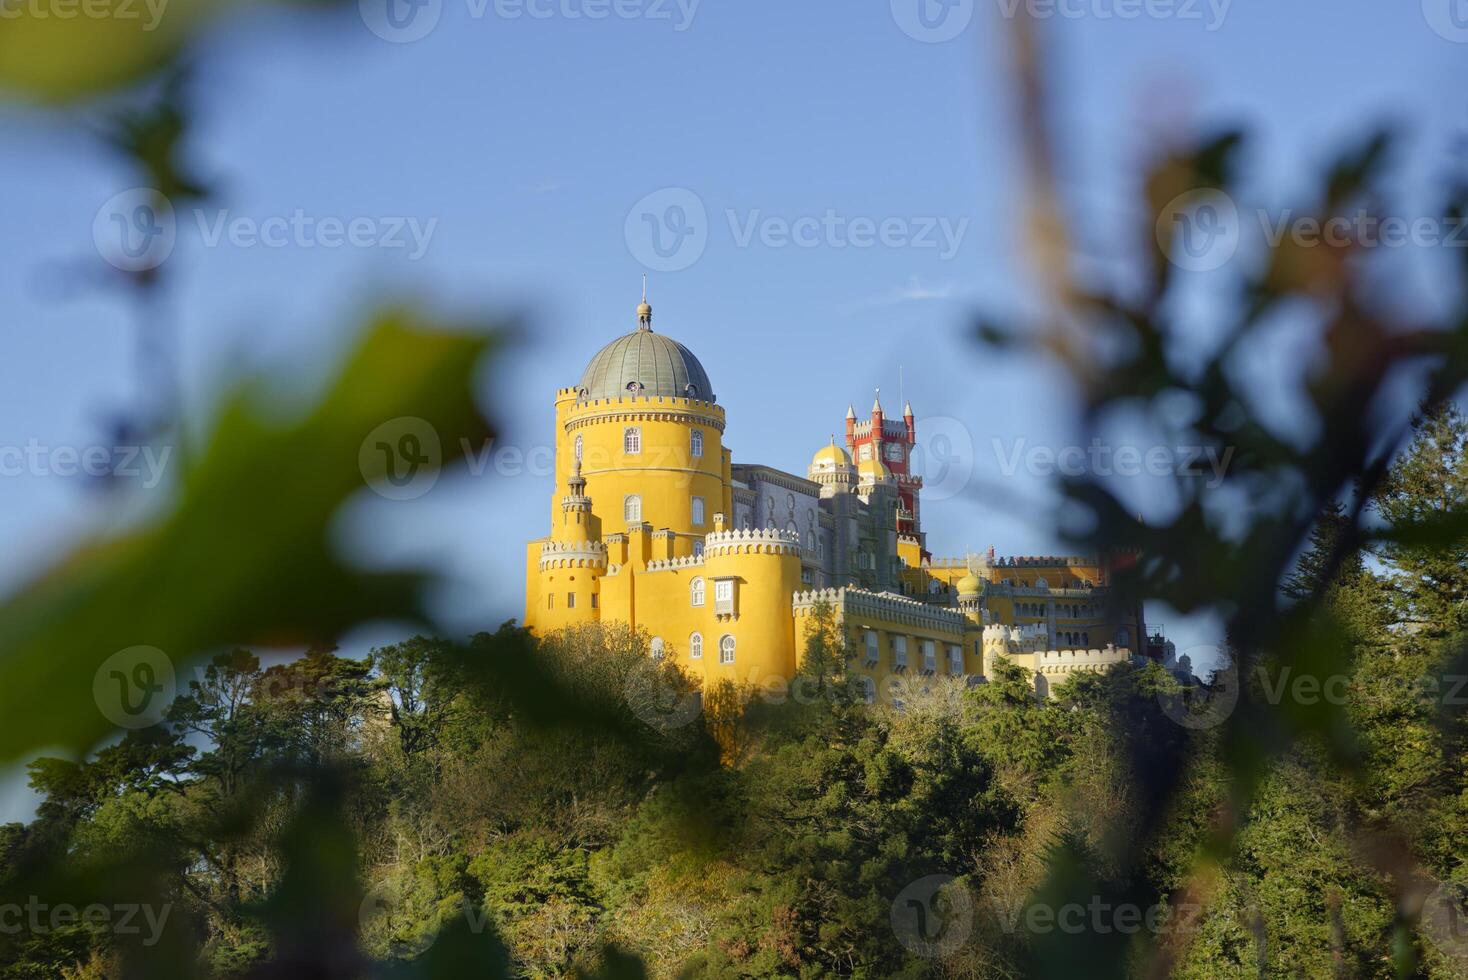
[(911, 424)]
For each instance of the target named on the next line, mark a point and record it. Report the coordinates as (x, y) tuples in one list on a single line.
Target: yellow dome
[(873, 471), (970, 584), (831, 457)]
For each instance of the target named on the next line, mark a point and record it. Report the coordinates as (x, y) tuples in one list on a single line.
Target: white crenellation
[(758, 540)]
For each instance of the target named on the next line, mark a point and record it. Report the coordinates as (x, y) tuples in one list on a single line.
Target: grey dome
[(645, 363)]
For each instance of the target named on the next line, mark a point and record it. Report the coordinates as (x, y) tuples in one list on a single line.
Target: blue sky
[(525, 142)]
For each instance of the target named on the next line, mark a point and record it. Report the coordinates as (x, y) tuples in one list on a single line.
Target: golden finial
[(644, 309)]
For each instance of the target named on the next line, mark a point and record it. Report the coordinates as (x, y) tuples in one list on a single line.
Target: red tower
[(892, 443)]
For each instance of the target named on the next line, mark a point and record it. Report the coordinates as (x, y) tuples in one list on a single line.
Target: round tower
[(644, 427)]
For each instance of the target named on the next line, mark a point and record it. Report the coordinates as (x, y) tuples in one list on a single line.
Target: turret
[(911, 423), (578, 523)]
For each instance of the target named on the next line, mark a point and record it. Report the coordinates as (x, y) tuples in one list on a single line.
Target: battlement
[(1025, 561), (573, 554), (1066, 661), (882, 606), (751, 541), (665, 564)]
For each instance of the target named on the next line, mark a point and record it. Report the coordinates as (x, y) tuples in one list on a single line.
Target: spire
[(644, 309), (851, 411), (877, 403), (577, 482), (907, 410)]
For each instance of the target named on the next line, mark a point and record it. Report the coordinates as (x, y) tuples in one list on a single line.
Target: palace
[(655, 525)]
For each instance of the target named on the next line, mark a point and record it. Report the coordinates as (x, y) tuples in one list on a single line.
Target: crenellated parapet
[(1070, 661), (668, 564), (882, 606), (666, 408), (752, 541), (573, 554)]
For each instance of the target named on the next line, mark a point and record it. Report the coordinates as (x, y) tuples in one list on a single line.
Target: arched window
[(726, 649), (578, 447), (631, 440), (695, 592), (697, 511), (1123, 638), (696, 443), (698, 549), (657, 648), (869, 690), (632, 508), (695, 646)]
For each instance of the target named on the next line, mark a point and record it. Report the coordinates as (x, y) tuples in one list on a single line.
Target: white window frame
[(632, 508), (869, 638), (658, 648), (695, 443), (577, 448), (930, 657), (899, 653), (632, 440), (955, 660), (726, 648), (723, 591), (696, 592), (869, 690), (697, 509), (695, 646), (570, 600)]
